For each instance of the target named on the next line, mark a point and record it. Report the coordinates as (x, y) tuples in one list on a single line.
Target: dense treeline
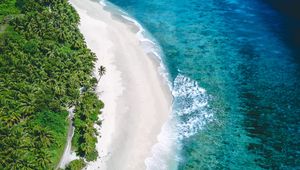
[(45, 68), (86, 114)]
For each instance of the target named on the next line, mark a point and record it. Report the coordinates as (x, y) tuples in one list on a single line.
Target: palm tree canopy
[(101, 70)]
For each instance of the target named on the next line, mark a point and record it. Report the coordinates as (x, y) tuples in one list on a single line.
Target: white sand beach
[(137, 99)]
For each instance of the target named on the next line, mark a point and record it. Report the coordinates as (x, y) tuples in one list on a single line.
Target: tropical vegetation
[(77, 164), (45, 68)]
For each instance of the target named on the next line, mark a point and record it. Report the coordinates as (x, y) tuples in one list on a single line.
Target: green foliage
[(44, 61), (7, 7), (30, 5), (77, 164), (86, 114), (57, 124)]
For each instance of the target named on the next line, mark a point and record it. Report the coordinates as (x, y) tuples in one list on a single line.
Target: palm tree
[(43, 136), (28, 104), (101, 71), (43, 159), (11, 119)]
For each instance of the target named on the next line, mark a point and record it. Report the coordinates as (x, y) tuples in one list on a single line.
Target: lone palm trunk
[(101, 71)]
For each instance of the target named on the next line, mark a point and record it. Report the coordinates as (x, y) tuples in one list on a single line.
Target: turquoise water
[(235, 76)]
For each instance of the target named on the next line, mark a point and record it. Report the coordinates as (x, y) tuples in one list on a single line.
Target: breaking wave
[(191, 106)]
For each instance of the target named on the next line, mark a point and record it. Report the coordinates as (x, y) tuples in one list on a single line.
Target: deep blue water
[(234, 68)]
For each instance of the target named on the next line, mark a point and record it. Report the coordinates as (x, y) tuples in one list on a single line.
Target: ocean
[(233, 69)]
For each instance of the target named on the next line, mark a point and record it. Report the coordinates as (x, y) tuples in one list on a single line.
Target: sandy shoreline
[(137, 99)]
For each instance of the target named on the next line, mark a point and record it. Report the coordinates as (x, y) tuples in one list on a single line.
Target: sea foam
[(191, 106), (103, 2)]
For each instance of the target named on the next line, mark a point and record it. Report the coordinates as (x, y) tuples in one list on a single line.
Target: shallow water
[(235, 78)]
